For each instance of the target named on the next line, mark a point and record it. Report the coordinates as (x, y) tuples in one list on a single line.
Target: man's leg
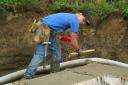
[(55, 49), (36, 60)]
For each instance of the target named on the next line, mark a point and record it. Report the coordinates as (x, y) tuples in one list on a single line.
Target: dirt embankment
[(17, 46), (16, 43), (112, 37), (111, 40)]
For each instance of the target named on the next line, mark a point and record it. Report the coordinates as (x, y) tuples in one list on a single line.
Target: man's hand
[(79, 51)]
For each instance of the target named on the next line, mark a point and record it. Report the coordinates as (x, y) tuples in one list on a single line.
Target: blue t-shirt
[(61, 21)]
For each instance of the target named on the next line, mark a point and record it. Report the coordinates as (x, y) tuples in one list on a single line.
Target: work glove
[(65, 38), (79, 51)]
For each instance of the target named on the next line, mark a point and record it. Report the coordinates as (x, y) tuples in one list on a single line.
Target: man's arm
[(74, 40)]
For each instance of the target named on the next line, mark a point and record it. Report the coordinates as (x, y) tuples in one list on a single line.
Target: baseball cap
[(87, 16)]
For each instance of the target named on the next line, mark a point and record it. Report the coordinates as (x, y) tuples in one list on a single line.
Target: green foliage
[(60, 4), (10, 5), (121, 6), (8, 2), (103, 8)]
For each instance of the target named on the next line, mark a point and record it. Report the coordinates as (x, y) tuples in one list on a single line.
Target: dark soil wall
[(16, 42), (112, 39)]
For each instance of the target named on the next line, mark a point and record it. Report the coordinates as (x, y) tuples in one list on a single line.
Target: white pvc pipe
[(19, 74)]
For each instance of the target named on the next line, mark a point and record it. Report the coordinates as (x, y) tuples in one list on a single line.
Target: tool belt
[(41, 35)]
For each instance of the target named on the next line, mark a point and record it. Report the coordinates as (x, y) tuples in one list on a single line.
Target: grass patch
[(102, 8), (10, 5), (14, 2)]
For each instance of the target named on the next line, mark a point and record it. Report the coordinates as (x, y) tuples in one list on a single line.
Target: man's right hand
[(79, 51)]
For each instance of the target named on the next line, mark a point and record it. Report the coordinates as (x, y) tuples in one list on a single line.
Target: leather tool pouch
[(41, 35)]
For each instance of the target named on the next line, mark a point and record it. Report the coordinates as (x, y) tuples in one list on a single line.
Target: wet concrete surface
[(79, 74)]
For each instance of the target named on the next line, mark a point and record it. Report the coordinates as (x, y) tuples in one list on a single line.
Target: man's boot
[(55, 67)]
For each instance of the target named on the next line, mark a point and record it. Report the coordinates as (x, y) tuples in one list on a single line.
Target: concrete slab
[(79, 74)]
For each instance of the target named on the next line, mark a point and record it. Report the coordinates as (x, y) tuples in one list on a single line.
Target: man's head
[(83, 17)]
